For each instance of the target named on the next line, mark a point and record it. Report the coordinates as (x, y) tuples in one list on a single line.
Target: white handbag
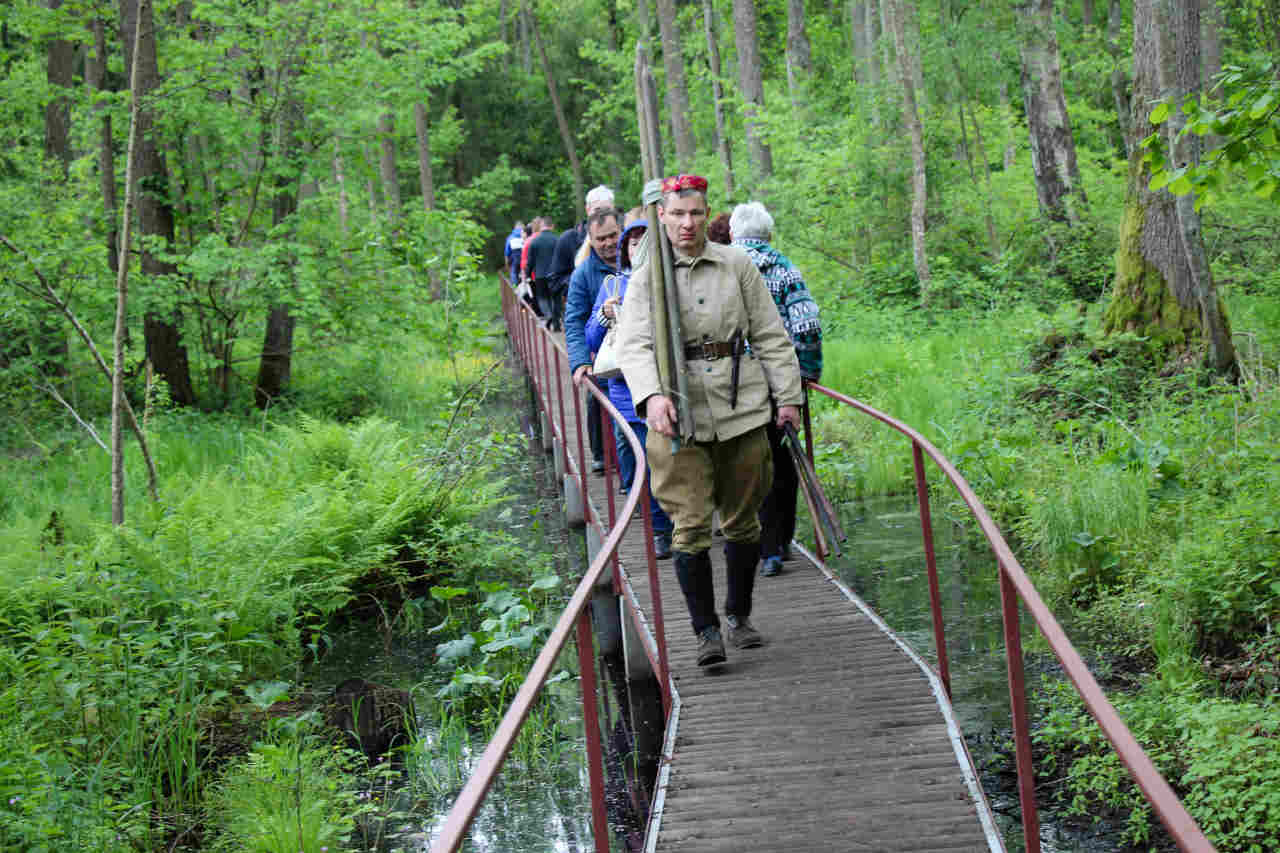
[(606, 364)]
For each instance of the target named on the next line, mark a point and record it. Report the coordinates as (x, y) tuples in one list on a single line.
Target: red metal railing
[(543, 355), (1015, 586), (547, 363)]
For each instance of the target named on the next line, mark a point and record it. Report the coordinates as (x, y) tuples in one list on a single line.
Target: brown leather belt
[(708, 350)]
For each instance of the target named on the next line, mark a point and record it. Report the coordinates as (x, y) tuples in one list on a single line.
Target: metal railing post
[(655, 589), (591, 722), (935, 592), (1018, 705), (582, 459)]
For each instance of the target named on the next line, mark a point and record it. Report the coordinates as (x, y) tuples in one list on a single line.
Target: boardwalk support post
[(573, 503)]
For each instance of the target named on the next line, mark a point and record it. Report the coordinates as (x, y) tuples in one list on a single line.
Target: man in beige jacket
[(728, 465)]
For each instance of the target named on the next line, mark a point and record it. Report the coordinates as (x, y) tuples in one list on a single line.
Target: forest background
[(978, 195)]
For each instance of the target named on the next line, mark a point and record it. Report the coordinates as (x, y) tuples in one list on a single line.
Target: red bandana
[(684, 182)]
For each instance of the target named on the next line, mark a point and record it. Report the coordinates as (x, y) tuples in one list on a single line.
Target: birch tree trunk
[(919, 180), (717, 94), (799, 53), (1053, 148), (118, 401), (677, 88), (1162, 289), (165, 350), (751, 81), (566, 136)]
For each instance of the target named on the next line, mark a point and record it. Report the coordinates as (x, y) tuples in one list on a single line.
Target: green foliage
[(1223, 756), (1248, 124), (292, 792)]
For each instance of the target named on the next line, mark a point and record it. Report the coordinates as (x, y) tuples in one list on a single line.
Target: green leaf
[(1158, 181), (1160, 113), (1263, 105), (1265, 189), (1181, 186)]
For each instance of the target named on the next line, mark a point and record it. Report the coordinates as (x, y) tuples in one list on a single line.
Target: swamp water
[(541, 800)]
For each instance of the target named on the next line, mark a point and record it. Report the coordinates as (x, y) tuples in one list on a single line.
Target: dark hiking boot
[(742, 635), (710, 647), (771, 566)]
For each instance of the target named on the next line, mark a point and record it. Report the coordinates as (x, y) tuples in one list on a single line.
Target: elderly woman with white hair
[(751, 229)]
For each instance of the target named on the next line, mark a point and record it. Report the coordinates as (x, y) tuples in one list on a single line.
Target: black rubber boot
[(741, 559), (694, 573)]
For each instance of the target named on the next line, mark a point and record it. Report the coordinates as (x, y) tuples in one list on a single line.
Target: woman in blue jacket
[(603, 315)]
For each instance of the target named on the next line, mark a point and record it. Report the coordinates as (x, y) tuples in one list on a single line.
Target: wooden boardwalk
[(833, 736)]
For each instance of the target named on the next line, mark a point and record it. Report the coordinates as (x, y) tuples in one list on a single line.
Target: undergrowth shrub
[(293, 793), (1223, 757)]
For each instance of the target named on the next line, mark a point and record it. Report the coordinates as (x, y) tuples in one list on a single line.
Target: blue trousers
[(627, 471)]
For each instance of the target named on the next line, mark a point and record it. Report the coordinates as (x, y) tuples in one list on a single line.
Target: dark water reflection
[(538, 804)]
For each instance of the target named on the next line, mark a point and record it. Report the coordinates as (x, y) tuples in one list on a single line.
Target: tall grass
[(122, 645)]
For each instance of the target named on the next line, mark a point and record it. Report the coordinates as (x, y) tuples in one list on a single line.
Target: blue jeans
[(627, 471)]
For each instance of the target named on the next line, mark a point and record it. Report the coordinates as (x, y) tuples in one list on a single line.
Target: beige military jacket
[(719, 291)]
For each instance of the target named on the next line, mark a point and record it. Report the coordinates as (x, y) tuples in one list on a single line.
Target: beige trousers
[(733, 476)]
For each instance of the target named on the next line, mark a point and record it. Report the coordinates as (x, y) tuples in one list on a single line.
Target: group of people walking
[(751, 333)]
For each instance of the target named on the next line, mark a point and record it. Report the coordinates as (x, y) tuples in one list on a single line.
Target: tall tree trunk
[(340, 178), (425, 179), (275, 364), (717, 94), (1162, 289), (751, 81), (1006, 115), (118, 400), (526, 40), (1119, 80), (993, 237), (427, 182), (60, 72), (95, 73), (1088, 14), (165, 350), (1180, 77), (910, 22), (799, 54), (677, 89), (1210, 41), (919, 181), (1053, 149), (566, 136), (502, 33), (858, 40), (387, 166)]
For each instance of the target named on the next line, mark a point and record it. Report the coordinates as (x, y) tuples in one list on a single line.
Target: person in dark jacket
[(603, 315), (541, 257), (603, 229), (752, 228), (568, 246)]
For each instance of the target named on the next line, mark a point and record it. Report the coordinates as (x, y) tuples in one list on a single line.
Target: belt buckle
[(709, 351)]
